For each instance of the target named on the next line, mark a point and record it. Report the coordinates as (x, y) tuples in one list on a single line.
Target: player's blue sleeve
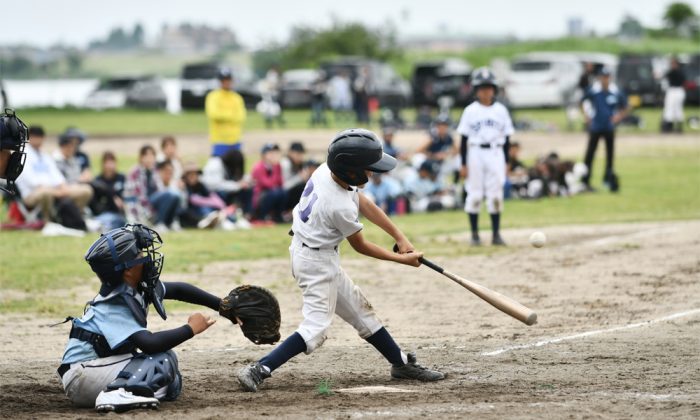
[(116, 322)]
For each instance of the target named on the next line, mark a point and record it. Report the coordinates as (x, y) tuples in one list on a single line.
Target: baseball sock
[(474, 223), (382, 341), (495, 223), (293, 345)]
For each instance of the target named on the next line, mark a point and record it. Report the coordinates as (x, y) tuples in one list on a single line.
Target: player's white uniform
[(486, 128), (325, 215)]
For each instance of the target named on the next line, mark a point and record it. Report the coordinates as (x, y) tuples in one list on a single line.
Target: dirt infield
[(599, 280)]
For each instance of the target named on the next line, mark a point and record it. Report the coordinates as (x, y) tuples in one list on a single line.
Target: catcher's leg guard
[(151, 375)]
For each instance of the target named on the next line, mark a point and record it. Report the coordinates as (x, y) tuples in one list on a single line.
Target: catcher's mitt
[(258, 310)]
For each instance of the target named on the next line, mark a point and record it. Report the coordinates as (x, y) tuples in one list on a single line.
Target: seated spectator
[(107, 205), (269, 197), (517, 174), (83, 158), (426, 193), (383, 190), (144, 202), (390, 149), (440, 144), (168, 151), (293, 174), (43, 185), (226, 176), (166, 178), (204, 209)]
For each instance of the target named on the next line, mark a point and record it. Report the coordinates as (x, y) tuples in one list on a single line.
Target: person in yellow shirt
[(226, 113)]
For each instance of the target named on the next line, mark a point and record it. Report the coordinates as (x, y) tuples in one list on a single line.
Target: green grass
[(324, 388), (657, 184), (141, 122)]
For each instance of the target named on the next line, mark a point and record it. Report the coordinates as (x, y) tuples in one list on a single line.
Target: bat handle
[(426, 262)]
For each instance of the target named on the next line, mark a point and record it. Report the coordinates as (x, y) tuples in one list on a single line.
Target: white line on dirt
[(591, 333)]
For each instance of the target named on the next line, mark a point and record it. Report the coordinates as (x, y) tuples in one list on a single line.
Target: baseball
[(537, 239)]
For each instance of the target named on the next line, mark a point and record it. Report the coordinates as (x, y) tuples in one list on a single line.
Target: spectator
[(340, 95), (145, 203), (226, 176), (66, 161), (383, 190), (674, 99), (361, 90), (43, 185), (293, 173), (609, 106), (226, 112), (83, 158), (269, 197), (168, 151), (390, 149), (107, 204), (270, 106), (204, 209), (440, 145), (426, 193), (516, 173), (587, 78), (319, 89)]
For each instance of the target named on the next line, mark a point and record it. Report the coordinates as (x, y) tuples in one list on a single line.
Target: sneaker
[(413, 370), (121, 400), (242, 223), (161, 228), (476, 241), (175, 226), (226, 225), (498, 241), (209, 221), (252, 376)]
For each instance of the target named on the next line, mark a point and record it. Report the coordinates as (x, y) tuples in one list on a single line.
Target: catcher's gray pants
[(326, 290), (85, 380)]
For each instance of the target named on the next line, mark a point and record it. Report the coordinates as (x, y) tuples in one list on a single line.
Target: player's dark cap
[(297, 146), (269, 147), (70, 134), (37, 131), (354, 151), (483, 76), (443, 119)]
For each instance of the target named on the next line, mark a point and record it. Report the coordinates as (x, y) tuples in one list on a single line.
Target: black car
[(201, 78), (635, 76), (390, 90), (435, 79), (692, 80)]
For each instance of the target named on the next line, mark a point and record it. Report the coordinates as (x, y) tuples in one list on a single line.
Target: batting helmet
[(123, 248), (483, 76), (354, 151)]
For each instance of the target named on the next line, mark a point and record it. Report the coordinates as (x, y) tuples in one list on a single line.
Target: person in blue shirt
[(112, 361), (607, 108)]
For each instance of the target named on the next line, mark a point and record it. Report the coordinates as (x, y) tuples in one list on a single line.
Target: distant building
[(575, 27), (186, 39)]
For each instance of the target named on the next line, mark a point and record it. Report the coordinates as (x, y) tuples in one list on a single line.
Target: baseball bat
[(502, 303)]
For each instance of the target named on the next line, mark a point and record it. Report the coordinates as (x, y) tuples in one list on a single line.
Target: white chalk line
[(591, 333)]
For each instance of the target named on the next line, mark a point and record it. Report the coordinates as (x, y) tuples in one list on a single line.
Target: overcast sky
[(255, 23)]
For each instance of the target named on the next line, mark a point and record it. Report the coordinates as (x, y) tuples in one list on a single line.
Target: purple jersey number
[(306, 212)]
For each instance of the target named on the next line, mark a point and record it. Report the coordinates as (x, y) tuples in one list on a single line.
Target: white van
[(546, 79)]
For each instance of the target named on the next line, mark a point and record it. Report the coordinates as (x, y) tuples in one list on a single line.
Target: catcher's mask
[(13, 137), (124, 248)]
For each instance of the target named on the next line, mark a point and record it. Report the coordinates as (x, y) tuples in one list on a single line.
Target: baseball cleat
[(413, 370), (121, 400), (476, 241), (498, 241), (251, 376)]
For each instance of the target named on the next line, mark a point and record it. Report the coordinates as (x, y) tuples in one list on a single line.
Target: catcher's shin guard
[(151, 375)]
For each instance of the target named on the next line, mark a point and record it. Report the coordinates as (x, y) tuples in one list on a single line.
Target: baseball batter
[(327, 213), (485, 128)]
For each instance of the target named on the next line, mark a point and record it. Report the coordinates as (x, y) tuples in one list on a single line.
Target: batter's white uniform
[(486, 128), (325, 215)]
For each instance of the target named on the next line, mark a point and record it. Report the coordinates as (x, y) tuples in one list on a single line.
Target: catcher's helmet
[(354, 151), (123, 248), (13, 137), (483, 76)]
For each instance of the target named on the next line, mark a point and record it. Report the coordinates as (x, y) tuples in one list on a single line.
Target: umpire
[(608, 106)]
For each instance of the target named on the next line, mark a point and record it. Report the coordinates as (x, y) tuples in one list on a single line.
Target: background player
[(485, 128), (328, 213), (100, 366)]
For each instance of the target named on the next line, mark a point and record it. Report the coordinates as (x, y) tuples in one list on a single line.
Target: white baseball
[(537, 239)]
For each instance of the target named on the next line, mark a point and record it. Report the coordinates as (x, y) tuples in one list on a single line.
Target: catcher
[(112, 362)]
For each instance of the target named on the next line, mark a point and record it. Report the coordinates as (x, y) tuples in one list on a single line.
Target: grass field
[(657, 184), (114, 122)]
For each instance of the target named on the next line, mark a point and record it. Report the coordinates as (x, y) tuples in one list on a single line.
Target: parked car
[(295, 91), (546, 79), (692, 80), (389, 88), (136, 92), (636, 78), (434, 79), (201, 78)]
